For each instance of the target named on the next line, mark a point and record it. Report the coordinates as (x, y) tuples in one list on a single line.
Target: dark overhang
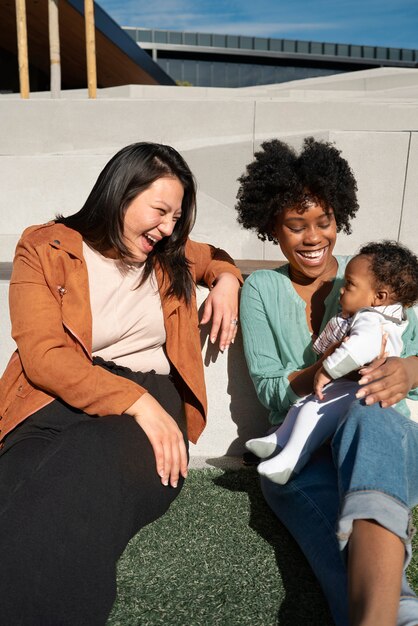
[(119, 60)]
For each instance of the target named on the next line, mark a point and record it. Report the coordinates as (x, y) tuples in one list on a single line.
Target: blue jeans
[(370, 472)]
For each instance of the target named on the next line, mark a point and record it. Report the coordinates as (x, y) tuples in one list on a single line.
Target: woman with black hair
[(106, 385), (361, 494)]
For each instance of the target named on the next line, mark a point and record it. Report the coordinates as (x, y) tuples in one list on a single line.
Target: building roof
[(119, 60), (344, 54)]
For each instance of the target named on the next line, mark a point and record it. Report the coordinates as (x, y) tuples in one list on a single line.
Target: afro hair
[(279, 179)]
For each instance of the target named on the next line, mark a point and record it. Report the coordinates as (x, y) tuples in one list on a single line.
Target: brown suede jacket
[(52, 327)]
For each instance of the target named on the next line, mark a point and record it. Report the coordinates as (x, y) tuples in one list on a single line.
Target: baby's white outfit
[(311, 421)]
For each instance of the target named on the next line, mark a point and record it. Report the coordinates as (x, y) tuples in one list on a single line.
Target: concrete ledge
[(5, 271), (245, 265)]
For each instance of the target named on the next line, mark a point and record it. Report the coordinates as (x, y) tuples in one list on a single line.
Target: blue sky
[(371, 22)]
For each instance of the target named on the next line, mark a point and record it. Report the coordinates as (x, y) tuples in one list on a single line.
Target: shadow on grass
[(304, 601)]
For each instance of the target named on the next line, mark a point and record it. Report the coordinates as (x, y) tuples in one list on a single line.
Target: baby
[(380, 283)]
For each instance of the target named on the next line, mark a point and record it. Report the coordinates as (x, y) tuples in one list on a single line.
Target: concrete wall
[(51, 152)]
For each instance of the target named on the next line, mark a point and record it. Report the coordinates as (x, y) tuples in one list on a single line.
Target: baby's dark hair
[(279, 179), (395, 266)]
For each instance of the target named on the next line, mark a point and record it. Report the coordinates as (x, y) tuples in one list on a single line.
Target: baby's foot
[(278, 469), (262, 446)]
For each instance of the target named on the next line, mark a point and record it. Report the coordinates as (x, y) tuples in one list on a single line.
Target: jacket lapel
[(75, 293), (169, 304)]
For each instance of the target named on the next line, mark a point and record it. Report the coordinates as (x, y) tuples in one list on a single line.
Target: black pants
[(73, 490)]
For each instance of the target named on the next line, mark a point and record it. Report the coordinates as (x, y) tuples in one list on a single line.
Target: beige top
[(128, 324)]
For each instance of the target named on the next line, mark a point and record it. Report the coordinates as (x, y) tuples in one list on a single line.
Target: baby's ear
[(382, 297)]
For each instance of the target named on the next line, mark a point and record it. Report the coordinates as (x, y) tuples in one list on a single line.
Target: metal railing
[(293, 46)]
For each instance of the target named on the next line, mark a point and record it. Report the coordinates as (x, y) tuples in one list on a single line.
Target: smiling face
[(359, 287), (307, 239), (151, 216)]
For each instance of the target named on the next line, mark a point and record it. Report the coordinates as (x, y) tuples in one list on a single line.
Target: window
[(355, 51), (407, 55), (204, 39), (303, 47), (343, 50), (144, 35), (260, 43), (190, 72), (232, 41), (316, 47), (276, 45), (394, 54), (218, 41), (160, 36), (369, 52), (246, 42), (289, 45), (381, 53), (174, 37), (190, 39), (329, 48)]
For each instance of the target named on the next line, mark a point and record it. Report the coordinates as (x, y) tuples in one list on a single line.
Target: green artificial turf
[(218, 557)]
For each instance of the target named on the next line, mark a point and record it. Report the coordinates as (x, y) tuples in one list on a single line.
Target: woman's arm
[(217, 270), (209, 262)]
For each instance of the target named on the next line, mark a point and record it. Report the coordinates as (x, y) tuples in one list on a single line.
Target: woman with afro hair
[(349, 508)]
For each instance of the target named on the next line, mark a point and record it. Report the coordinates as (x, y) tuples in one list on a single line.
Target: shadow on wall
[(247, 412), (244, 409)]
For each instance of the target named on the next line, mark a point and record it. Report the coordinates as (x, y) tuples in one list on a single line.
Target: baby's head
[(380, 274)]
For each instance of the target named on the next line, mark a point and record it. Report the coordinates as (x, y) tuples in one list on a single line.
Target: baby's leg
[(315, 421), (265, 446)]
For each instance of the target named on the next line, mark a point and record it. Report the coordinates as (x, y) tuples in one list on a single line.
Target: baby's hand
[(321, 379)]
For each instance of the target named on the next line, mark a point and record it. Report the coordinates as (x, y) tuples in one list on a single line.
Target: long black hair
[(131, 171)]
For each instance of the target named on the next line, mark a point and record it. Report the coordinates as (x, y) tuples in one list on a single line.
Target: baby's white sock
[(280, 468), (263, 446)]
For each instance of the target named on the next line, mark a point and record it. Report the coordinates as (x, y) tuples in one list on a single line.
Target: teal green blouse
[(277, 340)]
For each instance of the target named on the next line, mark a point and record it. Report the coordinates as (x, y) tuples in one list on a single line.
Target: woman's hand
[(388, 380), (165, 437), (222, 306)]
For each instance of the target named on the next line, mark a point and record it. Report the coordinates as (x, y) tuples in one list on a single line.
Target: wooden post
[(22, 47), (54, 48), (90, 47)]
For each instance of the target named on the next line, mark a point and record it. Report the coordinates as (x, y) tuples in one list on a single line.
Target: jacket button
[(20, 388), (57, 241)]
